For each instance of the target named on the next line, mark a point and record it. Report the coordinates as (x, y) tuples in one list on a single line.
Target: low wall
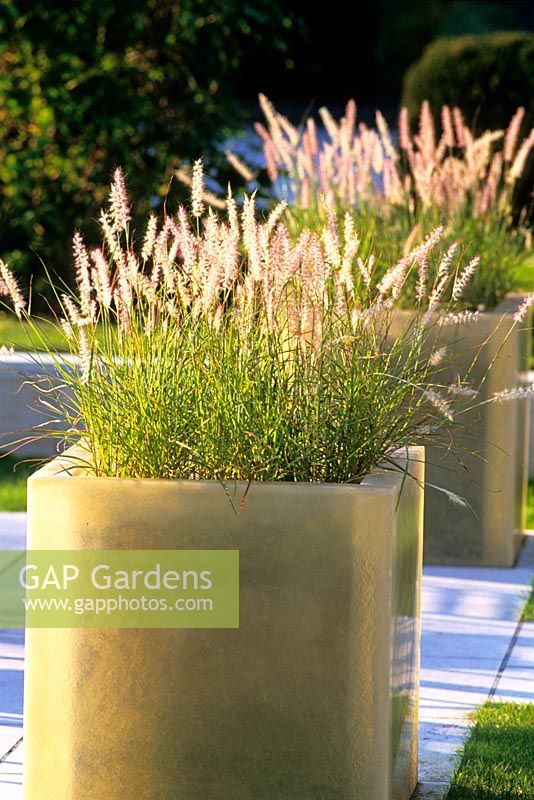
[(21, 408)]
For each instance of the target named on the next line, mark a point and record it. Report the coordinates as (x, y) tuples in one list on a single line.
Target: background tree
[(89, 85)]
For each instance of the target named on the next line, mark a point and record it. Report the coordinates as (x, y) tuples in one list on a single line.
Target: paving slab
[(12, 530), (11, 688), (515, 682), (456, 690), (11, 766), (9, 735), (522, 654), (515, 686), (470, 634), (12, 537), (438, 742), (446, 637)]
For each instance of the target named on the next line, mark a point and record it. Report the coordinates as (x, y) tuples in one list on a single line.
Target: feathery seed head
[(197, 189), (9, 287), (120, 205)]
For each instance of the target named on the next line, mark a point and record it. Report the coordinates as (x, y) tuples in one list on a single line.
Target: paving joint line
[(513, 640), (11, 749), (506, 659)]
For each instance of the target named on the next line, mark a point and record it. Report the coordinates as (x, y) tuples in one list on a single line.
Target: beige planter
[(531, 431), (488, 465), (313, 697)]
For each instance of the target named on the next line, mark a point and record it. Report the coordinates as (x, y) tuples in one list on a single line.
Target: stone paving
[(472, 648), (12, 537)]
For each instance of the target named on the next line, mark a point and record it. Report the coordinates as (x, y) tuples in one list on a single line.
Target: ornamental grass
[(399, 186), (224, 347)]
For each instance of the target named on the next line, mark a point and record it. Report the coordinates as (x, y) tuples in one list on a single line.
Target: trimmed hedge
[(487, 76)]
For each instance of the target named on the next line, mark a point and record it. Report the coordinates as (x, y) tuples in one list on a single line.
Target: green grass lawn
[(530, 506), (18, 335), (528, 611), (525, 283), (525, 275), (13, 474), (498, 758)]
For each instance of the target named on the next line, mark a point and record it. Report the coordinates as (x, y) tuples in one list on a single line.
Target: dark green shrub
[(487, 76), (86, 86)]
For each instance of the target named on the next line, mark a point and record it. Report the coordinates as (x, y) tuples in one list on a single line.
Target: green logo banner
[(119, 589)]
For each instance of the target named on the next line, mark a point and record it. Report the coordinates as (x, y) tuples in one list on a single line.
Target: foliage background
[(363, 54), (87, 86), (488, 76)]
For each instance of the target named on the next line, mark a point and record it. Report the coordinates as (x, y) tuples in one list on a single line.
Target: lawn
[(13, 474), (42, 335), (498, 756), (525, 283), (525, 275), (18, 335), (530, 506), (528, 611)]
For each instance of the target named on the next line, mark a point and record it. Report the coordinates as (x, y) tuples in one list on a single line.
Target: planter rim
[(508, 305), (380, 478)]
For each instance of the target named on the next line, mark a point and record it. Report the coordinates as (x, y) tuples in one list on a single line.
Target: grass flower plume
[(400, 188), (355, 164), (224, 347)]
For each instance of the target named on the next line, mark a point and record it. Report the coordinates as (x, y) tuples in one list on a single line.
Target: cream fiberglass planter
[(488, 463), (492, 446), (313, 697)]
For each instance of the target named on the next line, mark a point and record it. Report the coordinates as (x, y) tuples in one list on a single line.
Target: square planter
[(314, 697), (488, 462), (531, 434)]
